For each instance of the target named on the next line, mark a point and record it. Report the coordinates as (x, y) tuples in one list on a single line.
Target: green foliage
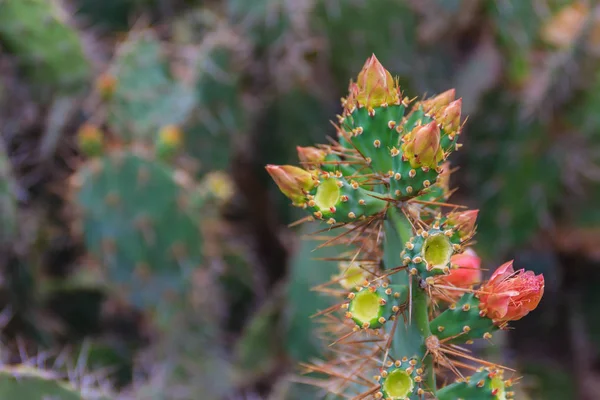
[(8, 202), (23, 382), (50, 50)]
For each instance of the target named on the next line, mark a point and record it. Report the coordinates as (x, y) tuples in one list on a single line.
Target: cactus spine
[(385, 185)]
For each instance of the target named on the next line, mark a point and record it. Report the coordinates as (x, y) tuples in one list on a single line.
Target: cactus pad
[(137, 222), (38, 33), (462, 322), (146, 96)]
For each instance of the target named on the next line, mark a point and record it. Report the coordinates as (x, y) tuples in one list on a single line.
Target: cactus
[(8, 201), (24, 382), (399, 155), (137, 221), (51, 51), (145, 96)]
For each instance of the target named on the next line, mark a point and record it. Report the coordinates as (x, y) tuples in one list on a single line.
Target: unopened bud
[(311, 156), (434, 104), (170, 141), (294, 182), (450, 117), (464, 221), (106, 85), (375, 86), (90, 139), (422, 146)]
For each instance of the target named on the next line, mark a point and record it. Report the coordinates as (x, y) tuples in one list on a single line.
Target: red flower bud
[(510, 295), (294, 182), (465, 271)]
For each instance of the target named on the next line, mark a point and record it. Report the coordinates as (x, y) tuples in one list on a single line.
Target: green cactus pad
[(33, 384), (485, 384), (146, 96), (462, 322), (401, 380), (136, 220), (50, 50), (337, 200), (374, 136), (8, 201), (428, 254), (373, 306)]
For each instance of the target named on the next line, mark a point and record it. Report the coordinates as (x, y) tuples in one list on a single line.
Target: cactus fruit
[(39, 34), (137, 222), (374, 185)]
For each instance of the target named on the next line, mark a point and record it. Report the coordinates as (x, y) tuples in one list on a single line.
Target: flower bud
[(106, 85), (510, 295), (311, 156), (375, 86), (294, 182), (465, 271), (90, 139), (464, 221), (449, 117), (422, 146), (170, 140), (434, 104)]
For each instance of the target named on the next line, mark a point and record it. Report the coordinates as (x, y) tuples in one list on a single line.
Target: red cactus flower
[(465, 271), (510, 295)]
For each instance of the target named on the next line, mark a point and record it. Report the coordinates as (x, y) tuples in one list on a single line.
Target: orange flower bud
[(510, 295), (432, 105), (465, 271), (375, 86), (294, 182), (449, 117), (90, 139), (464, 221), (422, 146), (311, 156), (170, 141), (106, 85)]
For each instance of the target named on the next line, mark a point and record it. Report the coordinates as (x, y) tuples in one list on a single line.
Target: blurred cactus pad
[(295, 200)]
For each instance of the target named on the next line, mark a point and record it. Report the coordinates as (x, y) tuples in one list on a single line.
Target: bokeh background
[(145, 253)]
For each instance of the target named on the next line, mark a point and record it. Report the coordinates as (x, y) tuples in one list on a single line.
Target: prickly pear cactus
[(144, 95), (138, 222), (383, 186), (22, 382), (39, 34)]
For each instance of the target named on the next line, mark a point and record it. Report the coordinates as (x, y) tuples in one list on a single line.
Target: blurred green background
[(145, 253)]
